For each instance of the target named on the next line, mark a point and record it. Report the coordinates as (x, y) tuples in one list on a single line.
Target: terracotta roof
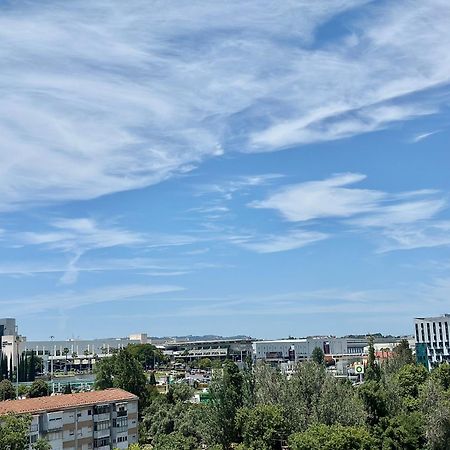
[(65, 401)]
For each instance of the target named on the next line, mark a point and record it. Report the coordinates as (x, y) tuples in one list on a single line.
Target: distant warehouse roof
[(66, 401)]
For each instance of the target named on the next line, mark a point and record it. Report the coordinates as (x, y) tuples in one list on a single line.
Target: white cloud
[(422, 136), (330, 198), (404, 220), (325, 198), (71, 300), (100, 97), (429, 234), (280, 243), (78, 236)]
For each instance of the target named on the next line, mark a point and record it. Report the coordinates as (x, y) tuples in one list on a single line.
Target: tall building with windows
[(432, 340), (98, 420)]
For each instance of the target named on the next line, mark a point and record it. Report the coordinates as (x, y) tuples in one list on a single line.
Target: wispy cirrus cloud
[(405, 220), (76, 237), (291, 240), (63, 301), (105, 97)]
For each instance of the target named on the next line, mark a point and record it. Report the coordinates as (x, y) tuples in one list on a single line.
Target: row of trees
[(39, 388), (29, 366), (400, 405)]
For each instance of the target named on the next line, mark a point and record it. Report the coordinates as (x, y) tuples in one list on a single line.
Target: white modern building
[(297, 350), (432, 340)]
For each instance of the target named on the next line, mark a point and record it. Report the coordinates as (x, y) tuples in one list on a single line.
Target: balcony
[(99, 434), (102, 417)]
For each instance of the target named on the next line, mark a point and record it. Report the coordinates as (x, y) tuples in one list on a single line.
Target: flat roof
[(64, 401), (434, 318)]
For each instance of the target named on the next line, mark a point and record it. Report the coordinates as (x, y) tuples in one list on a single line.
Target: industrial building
[(98, 420)]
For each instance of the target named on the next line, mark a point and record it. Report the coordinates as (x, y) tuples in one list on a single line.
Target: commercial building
[(57, 354), (99, 420), (297, 350), (235, 349), (432, 340)]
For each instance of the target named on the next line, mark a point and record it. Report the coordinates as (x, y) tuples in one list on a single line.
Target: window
[(105, 425), (89, 412), (101, 409)]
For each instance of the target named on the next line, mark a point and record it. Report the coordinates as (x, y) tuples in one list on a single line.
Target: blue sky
[(264, 168)]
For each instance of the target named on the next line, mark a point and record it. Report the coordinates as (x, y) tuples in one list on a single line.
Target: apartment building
[(432, 340), (98, 420)]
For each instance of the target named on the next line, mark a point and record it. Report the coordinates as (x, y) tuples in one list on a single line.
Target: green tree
[(7, 391), (339, 403), (402, 355), (333, 437), (318, 356), (23, 390), (122, 370), (301, 395), (39, 388), (14, 431), (435, 405), (152, 380), (409, 380), (175, 441), (261, 427), (374, 398), (373, 372), (442, 375), (42, 444), (147, 354), (225, 399), (405, 431)]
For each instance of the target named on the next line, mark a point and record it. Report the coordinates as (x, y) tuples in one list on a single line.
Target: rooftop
[(66, 401)]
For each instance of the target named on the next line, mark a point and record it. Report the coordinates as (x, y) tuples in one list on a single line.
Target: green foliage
[(147, 354), (373, 395), (435, 405), (225, 400), (23, 390), (318, 356), (405, 431), (7, 391), (14, 432), (442, 375), (373, 371), (409, 379), (175, 441), (172, 413), (334, 437), (152, 379), (42, 444), (260, 427), (122, 370), (39, 388), (339, 403)]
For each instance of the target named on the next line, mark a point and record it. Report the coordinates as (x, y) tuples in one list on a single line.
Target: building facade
[(297, 350), (432, 340), (99, 420)]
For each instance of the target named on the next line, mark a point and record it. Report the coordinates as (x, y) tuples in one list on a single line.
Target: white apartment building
[(99, 420), (432, 340)]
